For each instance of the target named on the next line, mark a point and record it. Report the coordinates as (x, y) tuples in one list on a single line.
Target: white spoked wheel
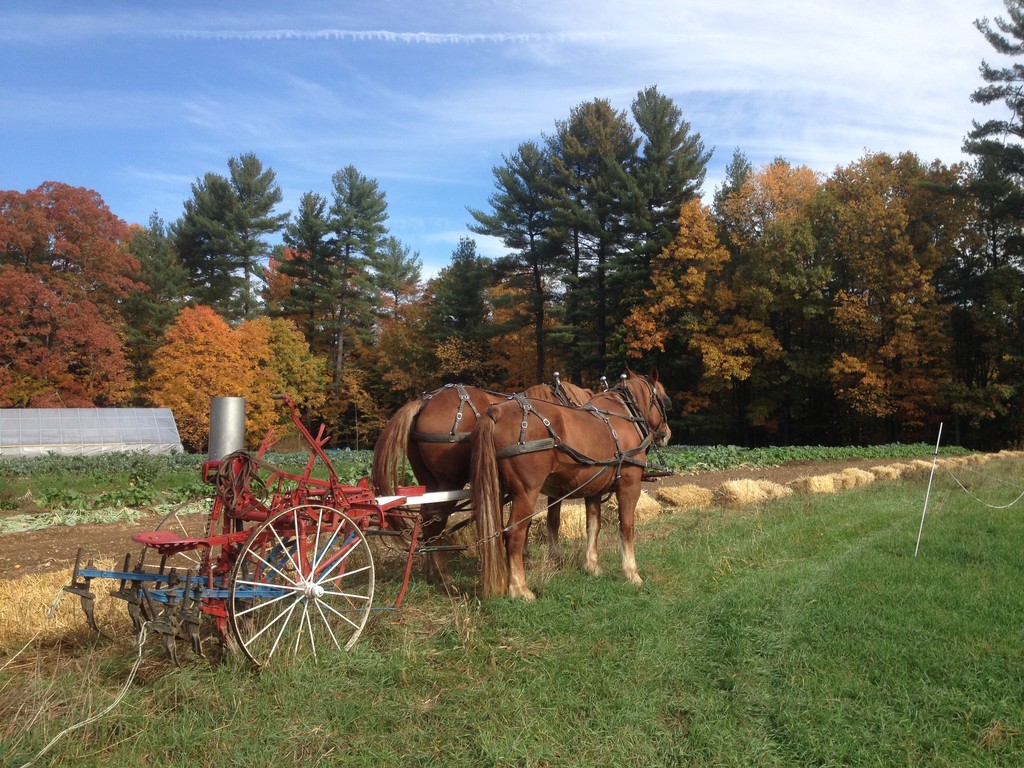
[(303, 582)]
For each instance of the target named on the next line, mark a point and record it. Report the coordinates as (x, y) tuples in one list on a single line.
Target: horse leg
[(554, 520), (515, 541), (593, 505), (627, 498)]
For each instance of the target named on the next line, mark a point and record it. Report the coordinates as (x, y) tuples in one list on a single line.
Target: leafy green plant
[(65, 499)]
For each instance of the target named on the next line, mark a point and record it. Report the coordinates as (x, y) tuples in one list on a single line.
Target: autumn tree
[(290, 368), (401, 361), (885, 235), (55, 353), (68, 238), (65, 269), (781, 280), (202, 358), (690, 311)]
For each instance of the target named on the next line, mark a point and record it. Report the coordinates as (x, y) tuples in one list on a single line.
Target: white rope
[(140, 639), (982, 501)]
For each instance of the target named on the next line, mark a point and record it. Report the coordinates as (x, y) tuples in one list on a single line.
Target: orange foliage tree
[(691, 308), (69, 239), (203, 358), (291, 368)]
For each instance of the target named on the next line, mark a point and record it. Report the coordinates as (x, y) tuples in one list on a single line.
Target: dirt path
[(54, 549)]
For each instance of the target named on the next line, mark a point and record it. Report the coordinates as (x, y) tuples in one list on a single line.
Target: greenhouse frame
[(87, 431)]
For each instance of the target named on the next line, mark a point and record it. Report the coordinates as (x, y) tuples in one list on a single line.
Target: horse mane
[(576, 395)]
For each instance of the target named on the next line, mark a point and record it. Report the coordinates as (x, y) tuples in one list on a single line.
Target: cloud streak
[(381, 36), (426, 98)]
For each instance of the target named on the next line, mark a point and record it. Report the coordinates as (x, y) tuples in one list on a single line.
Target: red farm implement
[(283, 566)]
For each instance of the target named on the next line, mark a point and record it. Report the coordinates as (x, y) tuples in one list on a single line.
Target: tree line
[(791, 307)]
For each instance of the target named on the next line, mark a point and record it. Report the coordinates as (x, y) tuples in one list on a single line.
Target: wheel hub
[(312, 589)]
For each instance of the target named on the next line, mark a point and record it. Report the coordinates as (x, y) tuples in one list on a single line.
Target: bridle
[(660, 402)]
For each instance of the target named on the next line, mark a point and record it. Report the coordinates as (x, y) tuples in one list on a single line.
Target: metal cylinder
[(227, 426)]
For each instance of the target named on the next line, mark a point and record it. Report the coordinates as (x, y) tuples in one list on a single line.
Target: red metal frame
[(244, 499)]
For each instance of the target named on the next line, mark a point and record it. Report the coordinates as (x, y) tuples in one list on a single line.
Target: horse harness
[(453, 436), (620, 458)]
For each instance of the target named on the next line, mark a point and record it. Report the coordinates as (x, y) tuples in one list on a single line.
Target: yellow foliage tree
[(202, 358), (689, 305)]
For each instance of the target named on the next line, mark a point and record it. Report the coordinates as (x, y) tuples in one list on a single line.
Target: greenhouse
[(77, 431)]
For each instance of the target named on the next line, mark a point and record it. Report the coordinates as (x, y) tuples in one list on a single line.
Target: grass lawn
[(801, 632)]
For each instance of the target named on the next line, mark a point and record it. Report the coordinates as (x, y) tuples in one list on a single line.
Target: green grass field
[(803, 632)]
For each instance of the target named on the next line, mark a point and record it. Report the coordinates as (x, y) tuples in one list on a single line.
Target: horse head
[(654, 404)]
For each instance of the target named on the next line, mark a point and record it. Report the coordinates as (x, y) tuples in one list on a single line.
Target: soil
[(55, 548)]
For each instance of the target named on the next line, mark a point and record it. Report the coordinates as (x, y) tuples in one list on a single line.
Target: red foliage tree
[(69, 240), (54, 353)]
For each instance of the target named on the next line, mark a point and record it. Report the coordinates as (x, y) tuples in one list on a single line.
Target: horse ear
[(654, 374)]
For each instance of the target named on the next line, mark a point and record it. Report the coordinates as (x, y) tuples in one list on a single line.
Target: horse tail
[(485, 492), (390, 451)]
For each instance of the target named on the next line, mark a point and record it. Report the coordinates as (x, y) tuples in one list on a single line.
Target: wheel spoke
[(284, 625), (307, 580), (327, 624)]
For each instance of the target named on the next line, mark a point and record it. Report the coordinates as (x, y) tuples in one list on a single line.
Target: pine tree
[(521, 218), (149, 311), (220, 235), (358, 214), (310, 267)]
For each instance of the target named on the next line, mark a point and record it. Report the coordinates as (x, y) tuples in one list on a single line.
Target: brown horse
[(525, 446), (431, 435)]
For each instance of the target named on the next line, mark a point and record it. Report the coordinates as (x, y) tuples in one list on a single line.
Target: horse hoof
[(522, 594)]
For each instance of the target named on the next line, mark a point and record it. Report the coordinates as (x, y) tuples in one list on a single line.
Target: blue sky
[(137, 99)]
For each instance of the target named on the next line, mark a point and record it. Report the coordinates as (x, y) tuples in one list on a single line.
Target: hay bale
[(918, 468), (573, 523), (685, 496), (573, 520), (646, 508), (857, 477), (903, 469), (887, 472), (740, 492), (814, 484)]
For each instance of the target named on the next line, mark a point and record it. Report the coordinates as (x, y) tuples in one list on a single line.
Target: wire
[(982, 501)]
